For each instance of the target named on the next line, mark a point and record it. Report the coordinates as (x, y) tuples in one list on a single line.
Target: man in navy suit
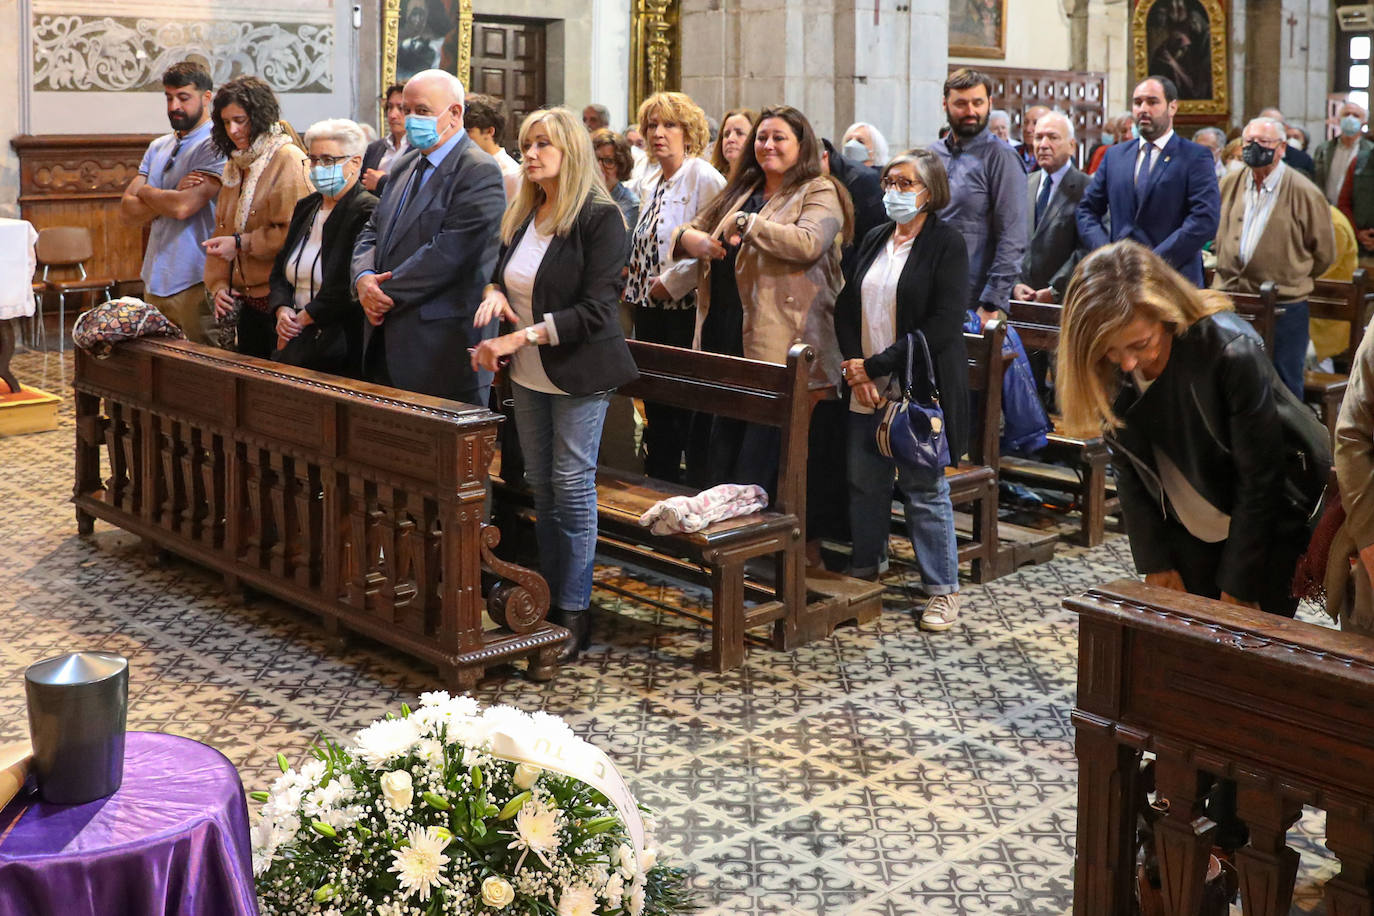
[(422, 260), (1160, 190)]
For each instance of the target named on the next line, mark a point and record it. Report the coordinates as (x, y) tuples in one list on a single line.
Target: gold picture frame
[(978, 28), (1186, 41), (422, 34)]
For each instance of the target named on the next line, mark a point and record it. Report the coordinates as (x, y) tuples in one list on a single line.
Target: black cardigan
[(931, 294), (334, 303), (578, 283)]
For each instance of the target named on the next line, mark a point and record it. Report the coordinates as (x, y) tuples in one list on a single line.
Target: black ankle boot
[(579, 624)]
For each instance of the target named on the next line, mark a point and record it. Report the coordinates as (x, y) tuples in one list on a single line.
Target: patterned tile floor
[(883, 771)]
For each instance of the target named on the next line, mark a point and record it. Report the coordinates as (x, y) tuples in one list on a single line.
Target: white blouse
[(527, 368), (878, 294), (692, 187), (303, 267)]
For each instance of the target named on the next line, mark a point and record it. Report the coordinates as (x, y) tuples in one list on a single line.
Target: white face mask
[(1295, 143), (855, 151)]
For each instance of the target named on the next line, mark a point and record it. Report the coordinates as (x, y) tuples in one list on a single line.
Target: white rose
[(497, 892), (525, 775), (625, 857), (397, 789), (647, 860)]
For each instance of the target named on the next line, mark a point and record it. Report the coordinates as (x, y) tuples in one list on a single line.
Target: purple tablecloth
[(172, 840)]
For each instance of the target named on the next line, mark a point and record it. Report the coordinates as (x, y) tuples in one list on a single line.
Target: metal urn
[(78, 704)]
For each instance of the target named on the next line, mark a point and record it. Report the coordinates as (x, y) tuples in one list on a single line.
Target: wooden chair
[(68, 248), (36, 338), (1087, 460), (1337, 301)]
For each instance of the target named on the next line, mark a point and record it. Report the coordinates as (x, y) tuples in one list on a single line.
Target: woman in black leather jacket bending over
[(1218, 466)]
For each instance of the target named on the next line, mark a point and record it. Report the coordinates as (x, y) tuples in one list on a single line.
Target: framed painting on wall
[(978, 28), (1186, 41), (426, 35)]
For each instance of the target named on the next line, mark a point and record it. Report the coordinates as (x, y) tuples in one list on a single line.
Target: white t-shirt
[(1203, 520), (878, 293), (303, 267), (527, 368)]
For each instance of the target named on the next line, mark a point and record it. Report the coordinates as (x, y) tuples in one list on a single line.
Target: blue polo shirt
[(174, 260)]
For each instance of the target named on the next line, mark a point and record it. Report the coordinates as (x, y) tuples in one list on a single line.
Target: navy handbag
[(911, 432)]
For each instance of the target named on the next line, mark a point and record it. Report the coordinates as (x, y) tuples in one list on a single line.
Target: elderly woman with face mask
[(263, 179), (318, 322)]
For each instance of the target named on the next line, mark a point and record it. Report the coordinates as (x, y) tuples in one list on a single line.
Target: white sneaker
[(940, 613)]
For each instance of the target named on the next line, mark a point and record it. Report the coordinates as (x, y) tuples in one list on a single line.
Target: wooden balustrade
[(361, 503), (1279, 706)]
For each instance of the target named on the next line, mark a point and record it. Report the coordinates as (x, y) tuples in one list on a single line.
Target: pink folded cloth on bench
[(685, 514)]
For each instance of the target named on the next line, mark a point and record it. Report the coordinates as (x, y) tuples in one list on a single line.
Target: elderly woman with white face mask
[(318, 322), (911, 277), (863, 138)]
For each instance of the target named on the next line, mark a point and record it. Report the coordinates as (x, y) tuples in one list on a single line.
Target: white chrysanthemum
[(434, 698), (614, 891), (624, 856), (311, 772), (536, 831), (636, 901), (578, 900), (420, 866), (386, 740)]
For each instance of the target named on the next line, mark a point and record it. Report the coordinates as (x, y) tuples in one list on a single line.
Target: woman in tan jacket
[(265, 176), (775, 232)]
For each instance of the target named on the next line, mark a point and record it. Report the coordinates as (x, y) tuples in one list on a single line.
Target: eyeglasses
[(1267, 144), (607, 161), (900, 184), (326, 160), (171, 160)]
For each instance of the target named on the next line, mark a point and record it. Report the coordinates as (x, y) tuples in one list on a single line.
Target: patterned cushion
[(98, 330)]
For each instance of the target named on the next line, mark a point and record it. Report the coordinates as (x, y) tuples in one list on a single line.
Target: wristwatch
[(741, 222), (531, 336)]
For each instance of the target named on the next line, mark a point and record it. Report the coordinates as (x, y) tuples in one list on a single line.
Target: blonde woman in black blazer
[(557, 287)]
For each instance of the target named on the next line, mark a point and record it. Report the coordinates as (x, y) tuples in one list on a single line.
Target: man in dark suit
[(1053, 193), (1160, 190), (421, 262), (382, 153)]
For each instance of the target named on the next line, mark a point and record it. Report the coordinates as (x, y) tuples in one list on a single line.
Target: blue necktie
[(412, 188), (1043, 201)]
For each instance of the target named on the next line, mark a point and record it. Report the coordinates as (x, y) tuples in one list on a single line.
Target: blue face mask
[(422, 132), (901, 206), (1135, 131), (1350, 126), (329, 180)]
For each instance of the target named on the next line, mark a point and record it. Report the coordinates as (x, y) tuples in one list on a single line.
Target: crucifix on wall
[(1292, 23)]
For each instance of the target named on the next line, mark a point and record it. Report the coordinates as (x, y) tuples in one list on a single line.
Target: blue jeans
[(560, 436), (1290, 345), (925, 497)]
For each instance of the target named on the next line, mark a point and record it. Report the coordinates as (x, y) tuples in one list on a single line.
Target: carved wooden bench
[(756, 392), (1279, 706), (360, 503), (1067, 464)]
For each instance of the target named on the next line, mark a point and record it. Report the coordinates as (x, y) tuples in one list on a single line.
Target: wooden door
[(508, 63)]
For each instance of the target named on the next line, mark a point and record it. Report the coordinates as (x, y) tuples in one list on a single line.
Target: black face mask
[(1256, 156)]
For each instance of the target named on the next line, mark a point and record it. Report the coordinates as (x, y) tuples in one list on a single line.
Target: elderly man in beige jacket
[(1275, 225)]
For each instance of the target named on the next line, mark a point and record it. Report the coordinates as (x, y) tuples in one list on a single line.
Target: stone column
[(13, 31)]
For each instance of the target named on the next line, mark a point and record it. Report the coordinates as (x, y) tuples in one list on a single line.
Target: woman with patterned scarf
[(265, 176)]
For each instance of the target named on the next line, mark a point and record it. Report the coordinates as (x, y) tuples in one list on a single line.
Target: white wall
[(1037, 37), (11, 103)]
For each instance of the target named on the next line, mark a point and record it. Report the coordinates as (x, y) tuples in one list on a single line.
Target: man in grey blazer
[(421, 261), (1053, 193)]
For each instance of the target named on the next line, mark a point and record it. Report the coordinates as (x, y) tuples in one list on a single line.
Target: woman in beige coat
[(265, 176), (774, 234)]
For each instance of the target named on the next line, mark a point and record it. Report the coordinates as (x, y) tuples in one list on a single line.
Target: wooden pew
[(1338, 301), (974, 482), (1087, 460), (1261, 309), (360, 503), (1279, 706), (756, 392)]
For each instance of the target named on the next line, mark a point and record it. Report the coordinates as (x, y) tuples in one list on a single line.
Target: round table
[(173, 839)]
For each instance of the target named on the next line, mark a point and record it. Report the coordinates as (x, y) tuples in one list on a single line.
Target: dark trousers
[(668, 429), (257, 333), (1197, 563), (1290, 345)]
